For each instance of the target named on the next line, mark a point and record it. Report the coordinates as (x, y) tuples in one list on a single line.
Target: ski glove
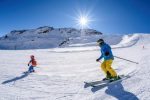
[(106, 53), (97, 59)]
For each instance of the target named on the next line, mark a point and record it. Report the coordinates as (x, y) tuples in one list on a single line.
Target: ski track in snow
[(61, 73)]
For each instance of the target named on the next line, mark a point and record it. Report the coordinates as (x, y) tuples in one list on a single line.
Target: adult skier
[(32, 63), (106, 53)]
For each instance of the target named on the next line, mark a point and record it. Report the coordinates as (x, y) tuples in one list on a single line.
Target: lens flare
[(83, 19)]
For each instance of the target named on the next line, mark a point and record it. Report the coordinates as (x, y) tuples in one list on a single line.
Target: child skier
[(106, 53), (32, 63)]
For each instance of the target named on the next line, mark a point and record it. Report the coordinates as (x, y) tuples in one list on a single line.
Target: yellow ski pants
[(106, 67)]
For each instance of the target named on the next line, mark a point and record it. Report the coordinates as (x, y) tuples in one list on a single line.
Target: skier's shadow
[(16, 78), (117, 90)]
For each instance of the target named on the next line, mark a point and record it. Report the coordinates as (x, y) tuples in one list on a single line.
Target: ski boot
[(115, 78), (108, 76)]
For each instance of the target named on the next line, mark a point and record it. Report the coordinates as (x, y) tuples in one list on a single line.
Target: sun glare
[(83, 19)]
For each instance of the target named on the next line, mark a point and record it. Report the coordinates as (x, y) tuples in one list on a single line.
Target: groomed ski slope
[(61, 73)]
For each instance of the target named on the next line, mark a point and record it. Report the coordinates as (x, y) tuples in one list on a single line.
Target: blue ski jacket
[(106, 52)]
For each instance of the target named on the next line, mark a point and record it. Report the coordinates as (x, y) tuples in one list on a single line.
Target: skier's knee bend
[(103, 65), (31, 68), (108, 68)]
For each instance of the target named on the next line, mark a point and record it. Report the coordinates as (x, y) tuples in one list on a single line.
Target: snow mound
[(128, 40), (122, 42)]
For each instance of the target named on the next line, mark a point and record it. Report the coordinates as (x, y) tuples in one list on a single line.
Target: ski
[(102, 82), (122, 77), (27, 72), (93, 83)]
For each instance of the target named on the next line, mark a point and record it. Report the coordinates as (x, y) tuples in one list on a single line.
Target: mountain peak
[(46, 37)]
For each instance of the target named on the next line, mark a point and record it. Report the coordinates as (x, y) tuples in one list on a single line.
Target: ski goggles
[(100, 42)]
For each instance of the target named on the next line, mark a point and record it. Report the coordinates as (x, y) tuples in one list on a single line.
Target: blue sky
[(110, 16)]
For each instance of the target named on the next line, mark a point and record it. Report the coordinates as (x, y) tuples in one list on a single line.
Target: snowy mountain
[(61, 72), (47, 37)]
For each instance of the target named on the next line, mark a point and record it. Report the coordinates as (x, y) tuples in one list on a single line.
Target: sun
[(83, 19)]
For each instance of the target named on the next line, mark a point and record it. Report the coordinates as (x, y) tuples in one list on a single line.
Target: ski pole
[(127, 60)]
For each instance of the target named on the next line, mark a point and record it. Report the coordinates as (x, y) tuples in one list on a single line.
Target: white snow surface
[(61, 72), (47, 37)]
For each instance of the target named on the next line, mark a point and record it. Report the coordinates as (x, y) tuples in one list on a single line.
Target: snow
[(61, 72), (46, 37)]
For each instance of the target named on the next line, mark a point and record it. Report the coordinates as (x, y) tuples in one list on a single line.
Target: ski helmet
[(32, 56), (100, 41)]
